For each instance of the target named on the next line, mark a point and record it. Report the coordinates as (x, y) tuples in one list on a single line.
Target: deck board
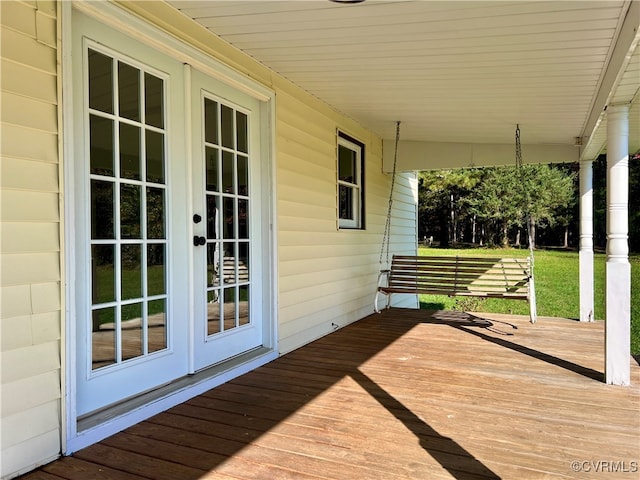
[(402, 395)]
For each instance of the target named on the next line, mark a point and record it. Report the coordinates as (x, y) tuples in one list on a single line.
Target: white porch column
[(618, 269), (586, 241)]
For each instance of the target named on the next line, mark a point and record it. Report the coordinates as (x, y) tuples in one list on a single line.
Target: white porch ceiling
[(451, 71)]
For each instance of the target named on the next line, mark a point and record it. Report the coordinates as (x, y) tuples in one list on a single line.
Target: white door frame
[(140, 30)]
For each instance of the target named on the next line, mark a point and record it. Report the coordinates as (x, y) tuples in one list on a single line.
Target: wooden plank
[(405, 394), (136, 463), (40, 475), (73, 468)]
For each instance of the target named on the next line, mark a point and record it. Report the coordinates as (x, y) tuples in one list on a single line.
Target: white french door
[(168, 265), (226, 221)]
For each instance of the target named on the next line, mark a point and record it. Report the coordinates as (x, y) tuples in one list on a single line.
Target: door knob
[(199, 240)]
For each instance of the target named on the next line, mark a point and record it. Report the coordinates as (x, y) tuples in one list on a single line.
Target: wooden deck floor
[(401, 395)]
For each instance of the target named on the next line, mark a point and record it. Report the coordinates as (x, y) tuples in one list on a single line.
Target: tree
[(548, 191), (503, 200), (441, 206), (528, 197), (497, 200)]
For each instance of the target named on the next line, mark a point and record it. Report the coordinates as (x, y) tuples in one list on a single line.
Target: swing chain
[(527, 197), (518, 147), (386, 240)]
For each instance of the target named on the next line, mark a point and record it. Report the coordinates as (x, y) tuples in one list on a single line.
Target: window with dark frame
[(350, 182)]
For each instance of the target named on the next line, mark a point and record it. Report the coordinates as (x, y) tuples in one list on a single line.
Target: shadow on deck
[(404, 394)]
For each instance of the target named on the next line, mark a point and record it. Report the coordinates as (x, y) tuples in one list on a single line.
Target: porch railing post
[(618, 268), (586, 241)]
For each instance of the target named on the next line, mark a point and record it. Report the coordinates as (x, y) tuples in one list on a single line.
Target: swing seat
[(486, 277)]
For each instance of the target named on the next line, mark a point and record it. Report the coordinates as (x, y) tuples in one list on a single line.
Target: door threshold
[(104, 422)]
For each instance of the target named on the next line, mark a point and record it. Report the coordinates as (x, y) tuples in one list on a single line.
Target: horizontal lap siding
[(327, 275), (30, 311)]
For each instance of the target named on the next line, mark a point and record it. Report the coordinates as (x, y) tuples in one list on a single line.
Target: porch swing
[(486, 277)]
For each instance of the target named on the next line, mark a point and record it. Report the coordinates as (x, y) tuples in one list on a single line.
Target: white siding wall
[(29, 242), (328, 276)]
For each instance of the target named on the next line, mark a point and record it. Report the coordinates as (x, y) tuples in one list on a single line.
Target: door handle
[(197, 241)]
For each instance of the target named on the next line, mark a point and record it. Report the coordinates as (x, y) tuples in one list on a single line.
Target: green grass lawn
[(557, 287)]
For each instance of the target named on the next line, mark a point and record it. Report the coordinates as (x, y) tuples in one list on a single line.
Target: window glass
[(129, 151), (346, 164), (101, 148), (100, 82), (128, 196), (155, 156), (154, 100), (350, 167), (129, 91)]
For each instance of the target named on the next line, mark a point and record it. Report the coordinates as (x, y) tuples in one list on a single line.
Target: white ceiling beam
[(622, 52), (414, 155)]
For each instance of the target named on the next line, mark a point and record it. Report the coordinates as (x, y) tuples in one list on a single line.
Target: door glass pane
[(227, 203), (101, 145), (229, 262), (242, 132), (226, 126), (155, 156), (103, 285), (213, 217), (131, 272), (229, 307), (103, 337), (243, 306), (243, 262), (229, 213), (153, 100), (228, 176), (128, 208), (129, 151), (211, 121), (156, 269), (157, 326), (129, 91), (132, 331), (243, 175), (129, 211), (102, 210), (211, 166), (243, 218), (155, 213), (100, 82), (213, 313), (213, 264)]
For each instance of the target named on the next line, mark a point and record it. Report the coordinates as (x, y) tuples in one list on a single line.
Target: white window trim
[(358, 197)]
